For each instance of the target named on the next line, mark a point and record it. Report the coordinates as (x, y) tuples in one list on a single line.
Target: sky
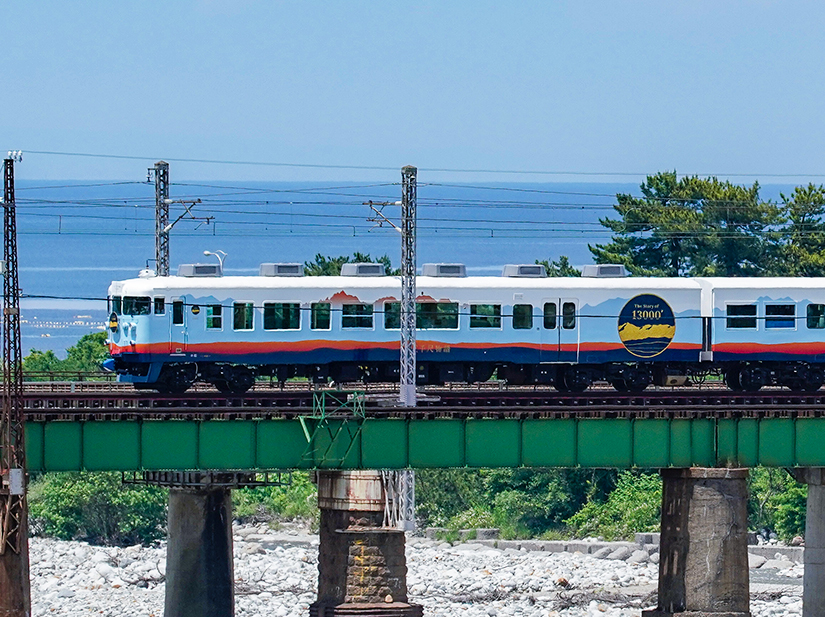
[(595, 87)]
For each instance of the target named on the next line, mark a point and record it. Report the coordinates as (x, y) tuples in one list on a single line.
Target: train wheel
[(732, 379), (620, 385), (240, 379), (176, 379), (752, 377), (637, 379), (576, 380)]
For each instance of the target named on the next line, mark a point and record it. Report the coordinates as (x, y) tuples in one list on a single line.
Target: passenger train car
[(166, 333)]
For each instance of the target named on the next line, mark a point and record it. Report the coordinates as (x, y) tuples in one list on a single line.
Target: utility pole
[(15, 593), (161, 170)]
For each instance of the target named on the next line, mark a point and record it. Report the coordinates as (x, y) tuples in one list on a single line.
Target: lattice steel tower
[(15, 595), (408, 215), (161, 169)]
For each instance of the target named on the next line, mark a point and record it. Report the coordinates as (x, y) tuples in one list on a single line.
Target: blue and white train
[(169, 332)]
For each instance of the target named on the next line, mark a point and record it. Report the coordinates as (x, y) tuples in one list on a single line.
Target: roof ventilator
[(444, 270), (604, 271), (200, 270), (525, 271), (282, 270), (362, 269)]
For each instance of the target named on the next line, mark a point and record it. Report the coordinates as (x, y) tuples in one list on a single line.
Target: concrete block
[(769, 551), (620, 554), (505, 544), (752, 538), (639, 556), (554, 546), (776, 564), (603, 552), (579, 547), (432, 533), (532, 545), (647, 538), (755, 561), (487, 533)]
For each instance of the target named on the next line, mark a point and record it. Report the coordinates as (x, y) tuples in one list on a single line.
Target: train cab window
[(214, 317), (550, 315), (485, 315), (522, 316), (780, 316), (243, 316), (356, 316), (282, 316), (816, 316), (136, 305), (160, 306), (568, 315), (436, 315), (320, 314), (741, 316), (177, 313), (117, 304)]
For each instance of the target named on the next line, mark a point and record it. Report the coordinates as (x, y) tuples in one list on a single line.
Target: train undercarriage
[(176, 378)]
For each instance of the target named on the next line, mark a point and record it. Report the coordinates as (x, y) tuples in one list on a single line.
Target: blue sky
[(700, 86)]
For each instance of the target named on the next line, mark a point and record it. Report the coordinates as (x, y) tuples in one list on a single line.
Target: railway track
[(291, 402)]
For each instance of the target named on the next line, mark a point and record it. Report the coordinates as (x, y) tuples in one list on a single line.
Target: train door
[(178, 333), (550, 328), (569, 322)]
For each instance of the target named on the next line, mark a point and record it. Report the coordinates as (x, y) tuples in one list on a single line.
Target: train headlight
[(113, 322)]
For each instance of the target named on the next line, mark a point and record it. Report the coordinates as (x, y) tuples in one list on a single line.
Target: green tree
[(692, 226), (331, 266), (41, 362), (559, 267), (96, 507), (88, 353), (803, 246)]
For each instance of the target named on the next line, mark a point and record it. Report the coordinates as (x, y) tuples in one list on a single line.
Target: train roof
[(149, 285)]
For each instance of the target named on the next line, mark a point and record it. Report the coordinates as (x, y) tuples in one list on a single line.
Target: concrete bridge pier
[(813, 585), (199, 565), (362, 567), (703, 563)]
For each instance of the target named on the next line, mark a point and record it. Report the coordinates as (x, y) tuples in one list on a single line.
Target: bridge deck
[(280, 430)]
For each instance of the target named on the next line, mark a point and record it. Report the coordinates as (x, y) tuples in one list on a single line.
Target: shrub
[(297, 500), (634, 506), (98, 508)]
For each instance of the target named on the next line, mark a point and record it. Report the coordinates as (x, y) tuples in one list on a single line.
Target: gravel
[(276, 575)]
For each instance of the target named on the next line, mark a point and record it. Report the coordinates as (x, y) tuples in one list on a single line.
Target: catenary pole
[(161, 170), (409, 202), (15, 594)]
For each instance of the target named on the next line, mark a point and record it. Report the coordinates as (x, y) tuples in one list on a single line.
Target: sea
[(75, 237)]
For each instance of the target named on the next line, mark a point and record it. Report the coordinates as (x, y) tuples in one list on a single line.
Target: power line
[(427, 169)]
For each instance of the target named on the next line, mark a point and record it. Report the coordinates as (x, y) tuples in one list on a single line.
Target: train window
[(392, 315), (243, 315), (214, 317), (568, 315), (428, 315), (550, 315), (282, 316), (160, 306), (780, 316), (741, 316), (485, 315), (816, 316), (436, 315), (177, 313), (522, 316), (136, 305), (320, 316), (117, 304), (356, 316)]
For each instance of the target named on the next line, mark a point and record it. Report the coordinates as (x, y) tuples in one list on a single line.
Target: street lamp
[(221, 255)]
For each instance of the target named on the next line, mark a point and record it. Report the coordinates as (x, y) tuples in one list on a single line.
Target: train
[(169, 332)]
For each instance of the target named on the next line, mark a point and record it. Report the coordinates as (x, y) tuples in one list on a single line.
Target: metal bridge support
[(703, 568), (813, 589), (362, 567), (199, 566)]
